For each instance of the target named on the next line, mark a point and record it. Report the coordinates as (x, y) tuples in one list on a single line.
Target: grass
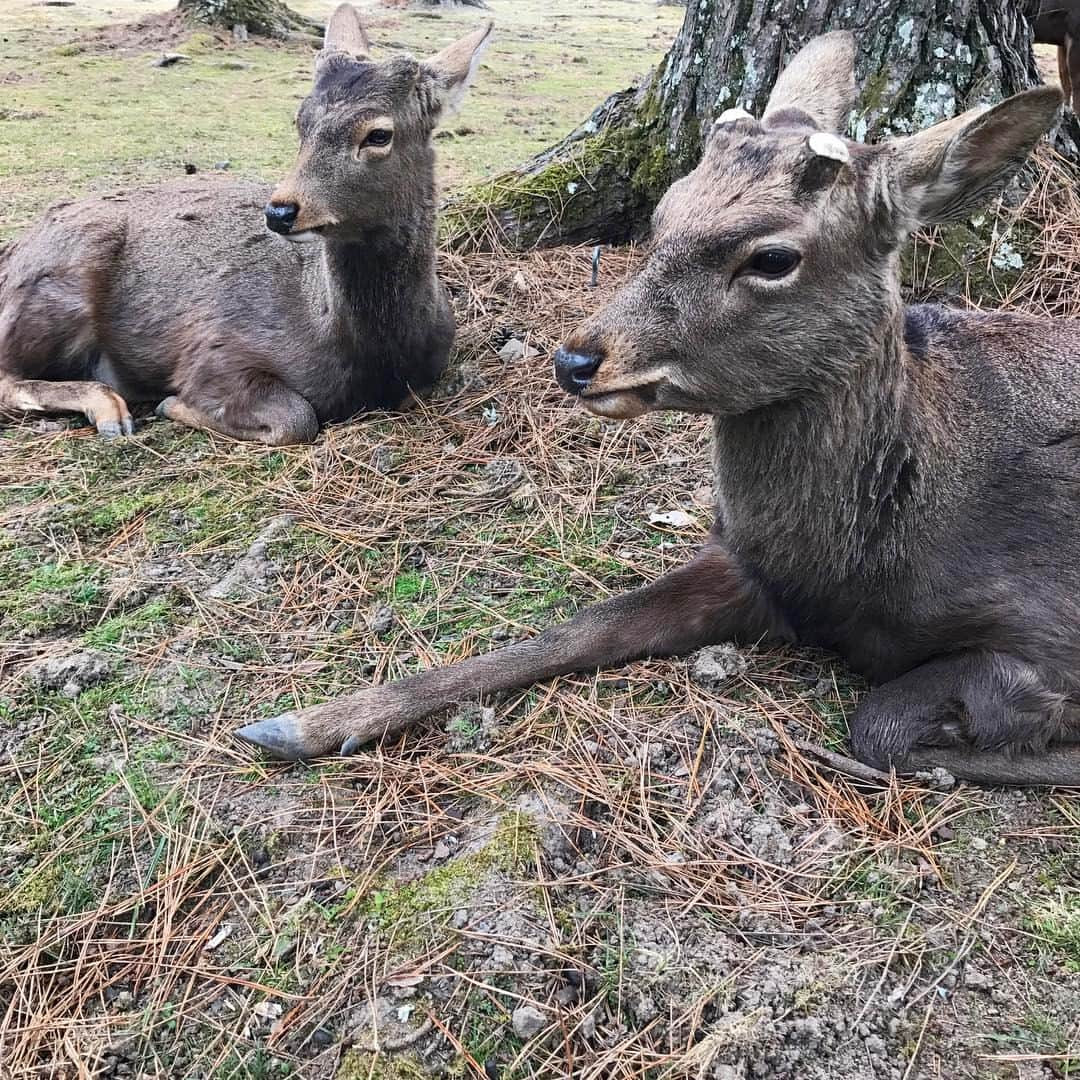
[(1055, 922)]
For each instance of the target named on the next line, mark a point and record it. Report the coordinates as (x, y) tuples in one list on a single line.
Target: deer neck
[(377, 278), (841, 483)]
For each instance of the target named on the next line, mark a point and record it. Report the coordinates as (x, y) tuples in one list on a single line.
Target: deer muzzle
[(574, 370)]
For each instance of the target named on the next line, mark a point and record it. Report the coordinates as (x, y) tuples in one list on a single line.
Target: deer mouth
[(621, 404), (304, 236)]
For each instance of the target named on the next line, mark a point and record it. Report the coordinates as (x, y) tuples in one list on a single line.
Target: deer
[(897, 484), (1057, 22), (258, 318)]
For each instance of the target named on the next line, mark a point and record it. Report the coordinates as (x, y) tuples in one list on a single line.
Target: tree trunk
[(271, 18), (919, 61)]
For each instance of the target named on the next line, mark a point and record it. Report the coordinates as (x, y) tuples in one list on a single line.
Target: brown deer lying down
[(1057, 22), (182, 291), (900, 485)]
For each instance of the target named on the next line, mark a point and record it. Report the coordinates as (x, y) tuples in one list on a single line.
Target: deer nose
[(574, 371), (280, 217)]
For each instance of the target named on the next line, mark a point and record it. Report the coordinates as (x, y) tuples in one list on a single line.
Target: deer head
[(365, 133), (773, 266)]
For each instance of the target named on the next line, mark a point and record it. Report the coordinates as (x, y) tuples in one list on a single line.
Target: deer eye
[(378, 137), (771, 262)]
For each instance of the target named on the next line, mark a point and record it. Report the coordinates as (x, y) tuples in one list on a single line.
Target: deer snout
[(280, 217), (574, 370)]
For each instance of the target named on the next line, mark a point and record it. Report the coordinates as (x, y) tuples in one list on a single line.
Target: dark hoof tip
[(279, 736), (163, 408), (351, 745)]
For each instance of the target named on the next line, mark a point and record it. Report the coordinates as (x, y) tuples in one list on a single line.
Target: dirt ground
[(635, 874)]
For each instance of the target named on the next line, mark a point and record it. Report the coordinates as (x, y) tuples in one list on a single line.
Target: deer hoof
[(113, 429), (163, 411), (351, 745), (280, 736)]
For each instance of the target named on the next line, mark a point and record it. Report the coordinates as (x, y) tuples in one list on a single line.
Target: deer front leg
[(100, 404), (708, 600), (1069, 62), (986, 717)]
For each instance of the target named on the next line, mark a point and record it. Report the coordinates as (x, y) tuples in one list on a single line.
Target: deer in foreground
[(1057, 22), (899, 485), (258, 320)]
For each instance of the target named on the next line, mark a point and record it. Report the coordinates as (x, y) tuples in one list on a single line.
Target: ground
[(634, 874)]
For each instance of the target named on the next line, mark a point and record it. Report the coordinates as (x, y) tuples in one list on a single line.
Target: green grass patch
[(120, 629), (39, 596), (1055, 922)]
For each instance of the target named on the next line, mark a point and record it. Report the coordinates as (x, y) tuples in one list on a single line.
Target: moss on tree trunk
[(271, 18), (919, 61)]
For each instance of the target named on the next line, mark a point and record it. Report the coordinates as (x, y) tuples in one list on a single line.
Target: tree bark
[(920, 61), (271, 18)]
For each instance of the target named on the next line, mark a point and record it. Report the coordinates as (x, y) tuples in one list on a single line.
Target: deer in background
[(258, 321), (899, 485), (1057, 22)]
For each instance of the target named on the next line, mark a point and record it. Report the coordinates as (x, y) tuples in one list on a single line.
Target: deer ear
[(450, 72), (345, 34), (951, 169), (819, 82)]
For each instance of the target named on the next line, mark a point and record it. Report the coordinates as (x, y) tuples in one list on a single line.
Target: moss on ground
[(410, 912)]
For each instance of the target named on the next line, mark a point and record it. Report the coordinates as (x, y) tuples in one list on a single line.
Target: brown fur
[(180, 292), (899, 485), (1057, 22)]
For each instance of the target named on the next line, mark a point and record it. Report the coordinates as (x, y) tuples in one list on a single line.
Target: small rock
[(440, 851), (168, 59), (643, 1007), (516, 349), (716, 666), (222, 165), (219, 936), (502, 958), (383, 460), (675, 519), (70, 674), (528, 1022), (284, 949), (974, 979), (382, 620), (940, 779)]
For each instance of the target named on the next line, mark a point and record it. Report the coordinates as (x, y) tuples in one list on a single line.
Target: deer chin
[(616, 404), (304, 236)]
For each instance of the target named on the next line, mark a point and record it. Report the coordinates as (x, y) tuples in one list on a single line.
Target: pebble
[(528, 1021), (516, 349)]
